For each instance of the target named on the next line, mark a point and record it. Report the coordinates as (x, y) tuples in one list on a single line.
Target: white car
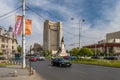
[(41, 58)]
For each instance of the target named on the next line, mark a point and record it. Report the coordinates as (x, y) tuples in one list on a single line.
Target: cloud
[(102, 16)]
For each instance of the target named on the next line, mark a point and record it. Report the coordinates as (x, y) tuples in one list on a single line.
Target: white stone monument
[(63, 51)]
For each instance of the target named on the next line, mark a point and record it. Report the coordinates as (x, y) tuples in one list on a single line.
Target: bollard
[(33, 71), (15, 74)]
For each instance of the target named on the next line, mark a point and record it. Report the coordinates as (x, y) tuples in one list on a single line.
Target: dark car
[(61, 62), (111, 58), (95, 57), (2, 58)]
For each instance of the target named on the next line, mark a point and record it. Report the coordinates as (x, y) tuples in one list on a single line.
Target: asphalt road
[(76, 72)]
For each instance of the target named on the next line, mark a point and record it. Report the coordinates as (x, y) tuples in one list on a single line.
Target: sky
[(101, 17)]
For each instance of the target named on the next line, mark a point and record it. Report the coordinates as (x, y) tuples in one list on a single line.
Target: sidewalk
[(7, 73)]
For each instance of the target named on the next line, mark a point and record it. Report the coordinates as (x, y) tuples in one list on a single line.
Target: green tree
[(37, 47), (97, 52), (74, 52), (1, 53), (19, 49), (46, 53), (85, 52)]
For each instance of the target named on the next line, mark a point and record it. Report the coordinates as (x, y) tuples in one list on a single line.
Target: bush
[(1, 53)]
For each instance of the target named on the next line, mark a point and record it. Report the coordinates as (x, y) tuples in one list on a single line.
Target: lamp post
[(30, 62), (80, 29), (23, 34)]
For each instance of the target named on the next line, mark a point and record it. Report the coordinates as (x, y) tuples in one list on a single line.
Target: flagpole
[(23, 34)]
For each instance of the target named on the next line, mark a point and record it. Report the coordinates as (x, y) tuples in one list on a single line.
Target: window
[(3, 46), (3, 40), (12, 47)]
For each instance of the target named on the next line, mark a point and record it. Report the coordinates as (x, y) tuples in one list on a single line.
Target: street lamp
[(80, 29)]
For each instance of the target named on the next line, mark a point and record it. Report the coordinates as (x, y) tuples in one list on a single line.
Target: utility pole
[(95, 50), (30, 62), (80, 29), (23, 34)]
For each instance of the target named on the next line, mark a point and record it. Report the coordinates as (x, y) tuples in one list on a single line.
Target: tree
[(37, 47), (46, 53), (85, 52), (74, 52), (1, 53), (19, 49), (97, 52)]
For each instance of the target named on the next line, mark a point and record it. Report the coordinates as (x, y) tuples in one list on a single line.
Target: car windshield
[(63, 60)]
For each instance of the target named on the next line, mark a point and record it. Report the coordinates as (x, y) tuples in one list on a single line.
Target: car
[(111, 58), (95, 57), (61, 62), (70, 57), (33, 59), (2, 58), (41, 58)]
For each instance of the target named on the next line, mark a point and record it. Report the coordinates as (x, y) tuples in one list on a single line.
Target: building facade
[(8, 41), (113, 37), (52, 35), (110, 45)]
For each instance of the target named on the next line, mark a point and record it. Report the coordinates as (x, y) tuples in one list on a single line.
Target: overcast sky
[(101, 17)]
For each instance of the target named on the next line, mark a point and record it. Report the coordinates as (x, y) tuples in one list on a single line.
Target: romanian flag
[(18, 26)]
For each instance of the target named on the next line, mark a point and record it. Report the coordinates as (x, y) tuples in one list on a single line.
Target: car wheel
[(60, 65), (52, 64), (69, 66)]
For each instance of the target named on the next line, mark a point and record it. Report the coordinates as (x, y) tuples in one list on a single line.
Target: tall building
[(52, 36), (8, 41)]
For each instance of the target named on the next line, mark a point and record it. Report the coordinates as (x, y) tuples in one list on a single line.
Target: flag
[(28, 26), (18, 25)]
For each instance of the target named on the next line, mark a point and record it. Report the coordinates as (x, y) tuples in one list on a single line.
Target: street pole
[(95, 49), (80, 29), (23, 34), (30, 61), (79, 32)]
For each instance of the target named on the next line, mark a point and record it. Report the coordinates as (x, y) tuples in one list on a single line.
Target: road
[(76, 72)]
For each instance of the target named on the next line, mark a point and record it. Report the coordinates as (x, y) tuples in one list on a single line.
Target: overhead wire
[(9, 12), (36, 13), (58, 19), (8, 16)]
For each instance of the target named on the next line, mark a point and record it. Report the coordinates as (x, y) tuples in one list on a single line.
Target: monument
[(62, 51)]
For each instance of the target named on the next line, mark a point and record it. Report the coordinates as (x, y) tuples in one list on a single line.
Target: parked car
[(95, 57), (61, 62), (33, 59), (69, 57), (41, 58), (111, 57), (2, 58)]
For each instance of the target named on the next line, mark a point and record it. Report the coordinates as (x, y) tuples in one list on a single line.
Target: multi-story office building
[(110, 45), (113, 37), (52, 35), (8, 41)]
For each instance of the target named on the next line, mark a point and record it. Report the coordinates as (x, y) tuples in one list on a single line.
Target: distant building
[(113, 37), (8, 41), (110, 45), (52, 36)]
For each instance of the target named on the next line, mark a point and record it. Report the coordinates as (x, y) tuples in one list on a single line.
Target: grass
[(4, 64), (109, 63)]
